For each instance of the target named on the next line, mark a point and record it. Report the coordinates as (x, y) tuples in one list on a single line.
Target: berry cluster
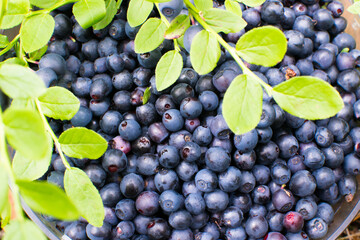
[(173, 169)]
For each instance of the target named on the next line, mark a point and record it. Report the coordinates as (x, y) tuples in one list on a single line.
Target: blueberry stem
[(3, 10), (163, 18), (10, 45), (52, 134), (5, 162), (196, 13)]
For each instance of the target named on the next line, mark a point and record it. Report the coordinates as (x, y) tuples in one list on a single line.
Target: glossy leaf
[(203, 5), (354, 8), (204, 52), (233, 6), (80, 142), (252, 3), (224, 21), (15, 13), (150, 35), (59, 103), (44, 3), (3, 41), (264, 46), (89, 12), (26, 133), (20, 82), (308, 97), (4, 187), (242, 104), (84, 195), (23, 230), (47, 198), (138, 11), (168, 69), (36, 55), (36, 31), (158, 1), (29, 169), (15, 60), (177, 27), (23, 103), (147, 95), (110, 13)]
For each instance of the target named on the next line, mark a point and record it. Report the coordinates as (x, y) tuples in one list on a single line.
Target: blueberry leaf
[(177, 27), (354, 8), (158, 1), (20, 82), (89, 12), (81, 142), (47, 198), (223, 20), (16, 60), (252, 3), (242, 104), (36, 31), (138, 11), (29, 169), (36, 55), (233, 6), (168, 69), (59, 103), (203, 5), (308, 97), (150, 35), (264, 46), (23, 230), (3, 41), (4, 187), (25, 132), (15, 13), (118, 4), (204, 52), (23, 103), (147, 95), (110, 13), (84, 195), (44, 3)]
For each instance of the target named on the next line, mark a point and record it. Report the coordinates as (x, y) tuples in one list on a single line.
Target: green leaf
[(84, 195), (158, 1), (47, 198), (36, 31), (233, 6), (5, 215), (23, 103), (59, 103), (4, 187), (308, 97), (80, 142), (20, 82), (118, 4), (150, 35), (354, 8), (110, 13), (177, 27), (3, 41), (36, 55), (32, 169), (264, 46), (138, 11), (26, 133), (242, 104), (23, 230), (204, 52), (15, 13), (89, 12), (15, 60), (44, 3), (224, 21), (147, 94), (252, 3), (168, 69), (203, 5)]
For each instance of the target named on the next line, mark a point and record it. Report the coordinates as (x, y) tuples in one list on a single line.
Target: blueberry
[(117, 29), (324, 19), (275, 236), (73, 64), (110, 194), (216, 201), (171, 201), (107, 47), (115, 63), (271, 12), (283, 200), (129, 130), (288, 146), (147, 164), (261, 174), (131, 185), (275, 76), (53, 61), (169, 157), (173, 120), (141, 222), (316, 228), (305, 25), (190, 108), (323, 59), (336, 8), (164, 103), (307, 208), (124, 230), (219, 128), (150, 59), (252, 17), (63, 26), (186, 234), (89, 49), (190, 34), (100, 65), (192, 124), (347, 187), (96, 174), (217, 159), (171, 9), (180, 220), (59, 47), (229, 180), (125, 210), (76, 230), (247, 182), (245, 161), (267, 153), (325, 212), (146, 114), (344, 40), (235, 233), (98, 233), (293, 222), (280, 173), (206, 180), (324, 137), (302, 183), (195, 203), (256, 227), (222, 79), (351, 164), (166, 180), (314, 158), (87, 69), (349, 80), (147, 203), (339, 128)]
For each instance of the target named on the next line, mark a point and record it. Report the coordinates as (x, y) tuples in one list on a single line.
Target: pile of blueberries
[(173, 169)]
